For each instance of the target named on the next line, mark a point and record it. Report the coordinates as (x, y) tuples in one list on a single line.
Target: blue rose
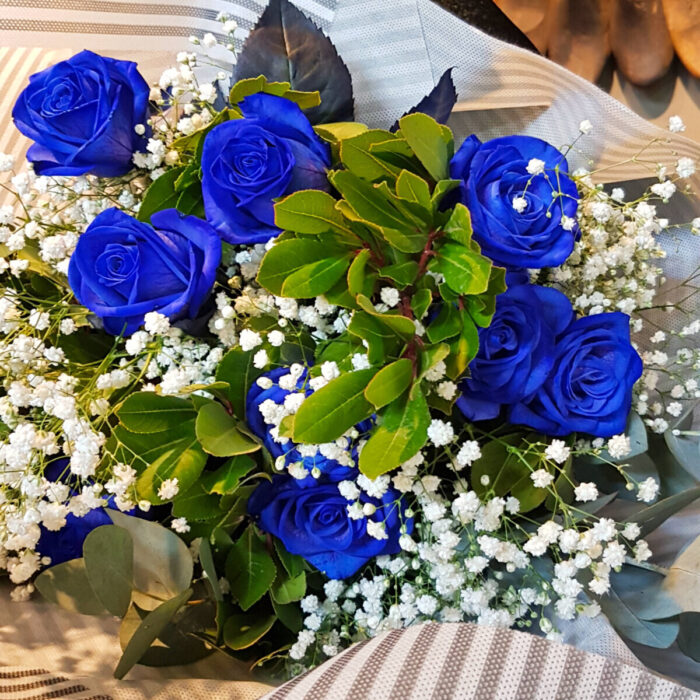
[(67, 543), (81, 115), (314, 523), (494, 174), (332, 469), (248, 163), (123, 268), (516, 352), (589, 388)]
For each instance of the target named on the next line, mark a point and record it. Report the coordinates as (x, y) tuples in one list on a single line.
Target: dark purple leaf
[(286, 46), (439, 102)]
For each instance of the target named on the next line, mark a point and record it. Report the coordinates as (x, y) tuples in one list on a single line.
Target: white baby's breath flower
[(557, 451), (541, 478), (168, 489)]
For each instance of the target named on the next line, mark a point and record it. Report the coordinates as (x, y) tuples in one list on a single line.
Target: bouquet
[(274, 382)]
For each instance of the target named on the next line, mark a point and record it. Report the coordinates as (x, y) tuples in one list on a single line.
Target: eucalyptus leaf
[(163, 564), (108, 553), (149, 630), (682, 582), (688, 637), (650, 518), (67, 585), (206, 559)]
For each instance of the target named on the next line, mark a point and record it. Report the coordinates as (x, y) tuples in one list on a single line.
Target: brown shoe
[(578, 35), (640, 40), (683, 19), (531, 17)]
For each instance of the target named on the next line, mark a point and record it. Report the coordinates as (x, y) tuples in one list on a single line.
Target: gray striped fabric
[(38, 684), (467, 661)]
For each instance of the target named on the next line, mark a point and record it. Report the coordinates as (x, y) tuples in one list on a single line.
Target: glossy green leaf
[(339, 131), (420, 302), (226, 478), (206, 559), (310, 212), (463, 349), (149, 630), (413, 188), (184, 462), (333, 409), (196, 505), (288, 589), (426, 139), (465, 271), (389, 383), (402, 431), (402, 273), (67, 585), (287, 257), (447, 324), (402, 327), (356, 156), (108, 553), (242, 631), (293, 564), (148, 412), (356, 272), (160, 195), (459, 225), (442, 188), (237, 369), (381, 340), (317, 277), (217, 433), (250, 569)]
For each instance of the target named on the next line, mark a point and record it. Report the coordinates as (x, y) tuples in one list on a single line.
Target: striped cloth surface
[(465, 661)]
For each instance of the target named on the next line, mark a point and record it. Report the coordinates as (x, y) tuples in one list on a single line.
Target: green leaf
[(688, 637), (288, 589), (217, 433), (142, 449), (339, 131), (465, 271), (356, 156), (430, 356), (196, 505), (426, 139), (682, 582), (402, 273), (482, 307), (650, 518), (659, 635), (309, 211), (293, 564), (160, 195), (67, 585), (447, 324), (642, 591), (403, 430), (508, 473), (250, 569), (148, 412), (686, 450), (149, 630), (381, 340), (413, 188), (389, 383), (402, 327), (406, 240), (459, 225), (226, 478), (287, 257), (442, 188), (420, 302), (333, 409), (289, 615), (316, 278), (163, 564), (367, 201), (108, 553), (206, 559), (184, 462), (463, 349), (356, 272), (237, 369), (242, 631)]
